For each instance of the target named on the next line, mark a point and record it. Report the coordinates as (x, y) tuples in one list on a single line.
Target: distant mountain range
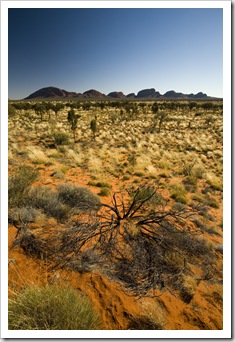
[(53, 92)]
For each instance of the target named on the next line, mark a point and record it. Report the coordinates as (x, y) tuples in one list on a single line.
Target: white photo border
[(185, 334)]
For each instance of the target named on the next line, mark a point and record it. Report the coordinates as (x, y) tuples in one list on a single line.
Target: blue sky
[(115, 49)]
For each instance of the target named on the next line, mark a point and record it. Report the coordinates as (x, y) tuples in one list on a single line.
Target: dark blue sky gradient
[(115, 50)]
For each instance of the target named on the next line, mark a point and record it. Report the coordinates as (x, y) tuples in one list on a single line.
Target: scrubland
[(127, 210)]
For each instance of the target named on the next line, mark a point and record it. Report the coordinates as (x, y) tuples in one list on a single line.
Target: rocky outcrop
[(50, 92), (53, 92), (117, 95), (93, 93), (199, 95), (130, 95), (146, 93), (172, 94)]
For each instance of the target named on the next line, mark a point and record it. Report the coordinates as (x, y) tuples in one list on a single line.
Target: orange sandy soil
[(116, 308)]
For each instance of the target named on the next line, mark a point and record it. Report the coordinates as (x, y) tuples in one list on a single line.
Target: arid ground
[(145, 243)]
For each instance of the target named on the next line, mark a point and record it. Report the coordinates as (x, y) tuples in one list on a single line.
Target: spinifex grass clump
[(51, 308), (48, 201), (19, 183), (78, 197)]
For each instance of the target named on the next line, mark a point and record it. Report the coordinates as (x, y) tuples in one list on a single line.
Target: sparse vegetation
[(151, 218), (61, 138), (78, 197), (51, 308), (19, 183)]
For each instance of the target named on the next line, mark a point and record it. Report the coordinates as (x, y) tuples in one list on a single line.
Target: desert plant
[(73, 121), (93, 127), (33, 246), (192, 104), (103, 185), (78, 197), (57, 107), (11, 110), (46, 199), (161, 117), (39, 109), (23, 215), (212, 202), (61, 138), (154, 108), (178, 193), (140, 243), (51, 308), (19, 183), (104, 192)]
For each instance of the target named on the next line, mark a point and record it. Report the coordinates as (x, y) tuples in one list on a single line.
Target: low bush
[(23, 215), (139, 174), (190, 183), (11, 110), (19, 183), (61, 138), (51, 308), (104, 192), (104, 185), (78, 197), (178, 193), (32, 246), (46, 199), (212, 202), (198, 197)]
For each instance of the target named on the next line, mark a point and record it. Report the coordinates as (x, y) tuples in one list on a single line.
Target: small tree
[(39, 109), (192, 104), (73, 120), (56, 108), (155, 108), (161, 117), (93, 126)]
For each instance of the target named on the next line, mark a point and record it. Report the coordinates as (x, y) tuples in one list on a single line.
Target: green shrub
[(19, 183), (61, 138), (104, 192), (23, 214), (211, 201), (92, 183), (126, 177), (180, 199), (51, 308), (197, 197), (139, 174), (104, 185), (11, 110), (46, 199), (190, 183), (216, 185), (178, 193), (78, 197), (198, 172)]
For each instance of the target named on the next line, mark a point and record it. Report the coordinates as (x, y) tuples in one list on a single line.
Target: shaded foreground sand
[(117, 309)]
